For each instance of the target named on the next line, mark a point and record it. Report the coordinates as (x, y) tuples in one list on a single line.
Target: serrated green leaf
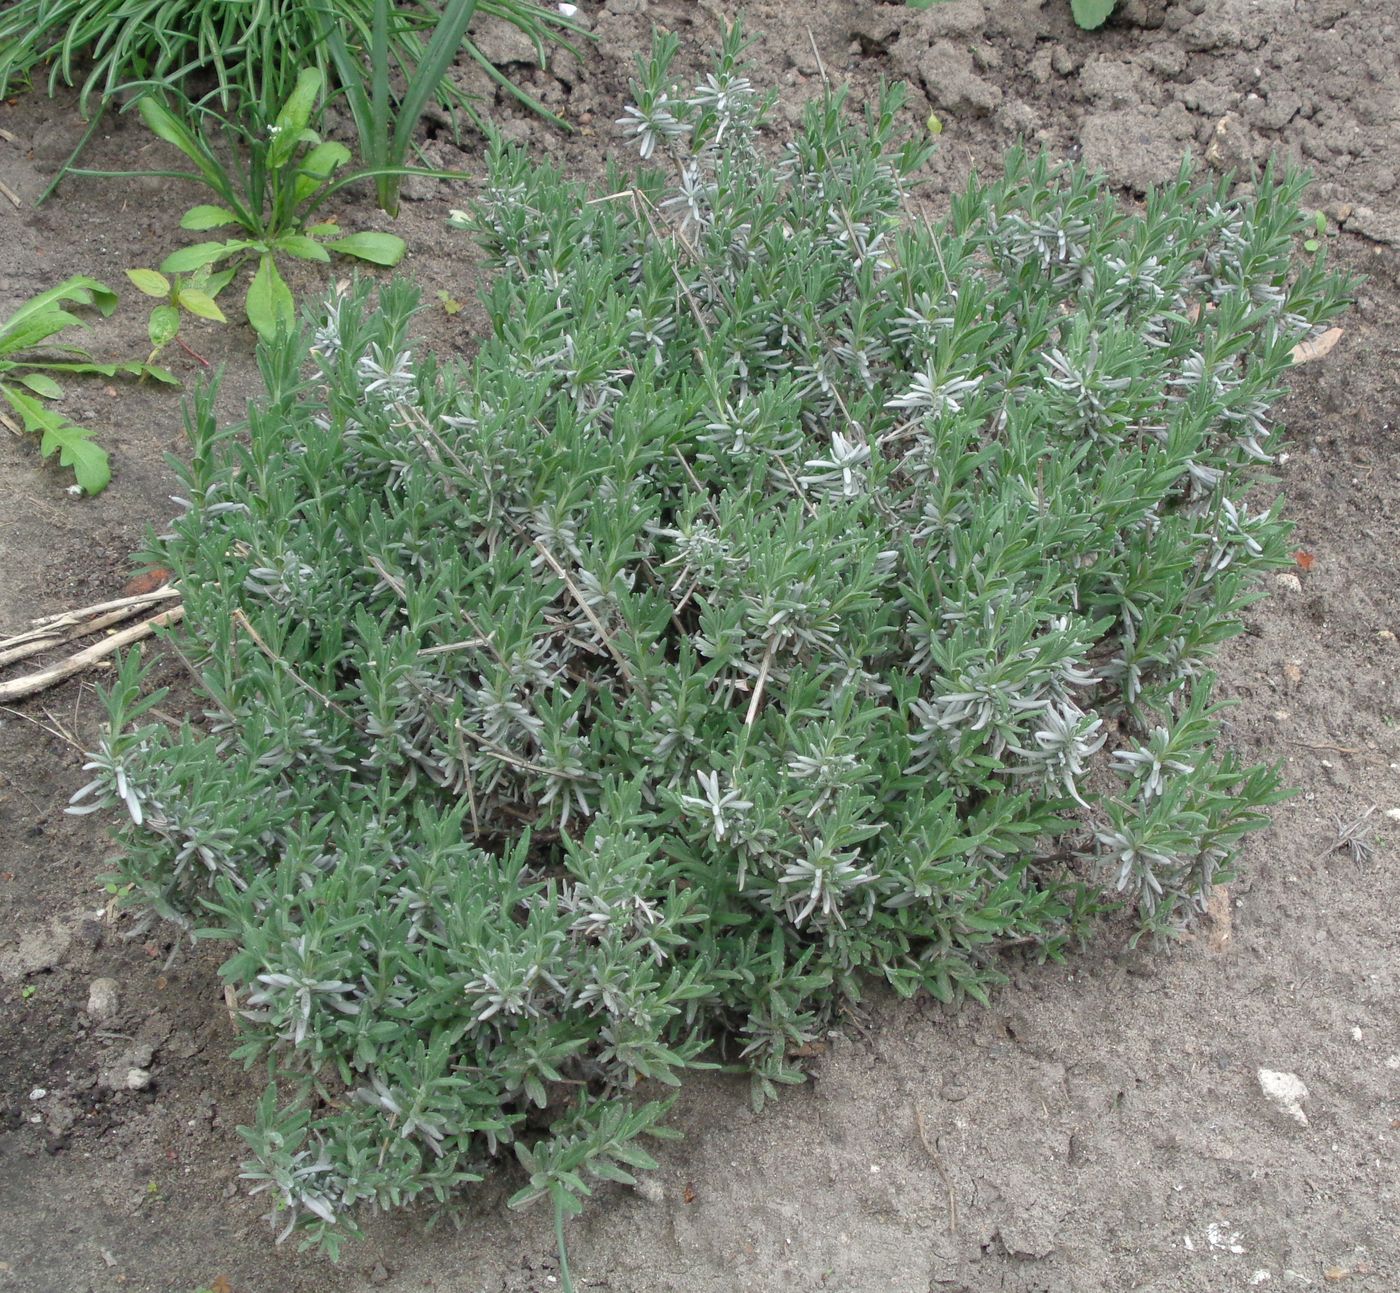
[(1090, 14), (78, 451), (163, 325), (207, 217), (269, 302), (377, 248), (149, 281), (73, 443), (201, 304)]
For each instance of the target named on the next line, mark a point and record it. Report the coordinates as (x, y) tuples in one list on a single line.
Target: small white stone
[(1289, 582), (38, 1093), (1260, 1277), (1356, 1034), (1227, 1241), (1393, 814), (1287, 1091), (104, 1000), (138, 1079)]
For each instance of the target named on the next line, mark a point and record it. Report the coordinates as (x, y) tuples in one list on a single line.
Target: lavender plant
[(791, 594)]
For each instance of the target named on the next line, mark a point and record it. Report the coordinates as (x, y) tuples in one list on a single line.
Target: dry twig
[(32, 683)]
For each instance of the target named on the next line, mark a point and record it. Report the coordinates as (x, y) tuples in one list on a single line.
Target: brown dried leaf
[(1306, 351)]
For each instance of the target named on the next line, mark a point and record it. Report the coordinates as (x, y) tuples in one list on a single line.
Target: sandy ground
[(1102, 1126)]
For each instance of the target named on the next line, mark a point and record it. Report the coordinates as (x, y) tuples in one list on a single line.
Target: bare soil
[(1102, 1126)]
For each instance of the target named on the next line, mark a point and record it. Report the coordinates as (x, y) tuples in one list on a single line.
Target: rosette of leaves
[(269, 181), (790, 595)]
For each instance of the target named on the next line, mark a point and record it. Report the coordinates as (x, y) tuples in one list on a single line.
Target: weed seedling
[(185, 293), (29, 358)]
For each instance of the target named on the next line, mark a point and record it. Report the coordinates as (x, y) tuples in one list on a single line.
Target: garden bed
[(1102, 1126)]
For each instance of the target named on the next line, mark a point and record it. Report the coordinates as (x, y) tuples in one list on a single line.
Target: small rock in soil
[(138, 1079), (951, 84), (104, 1000), (1287, 1092)]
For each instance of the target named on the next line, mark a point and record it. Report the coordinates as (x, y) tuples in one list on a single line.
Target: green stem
[(67, 167), (565, 1278)]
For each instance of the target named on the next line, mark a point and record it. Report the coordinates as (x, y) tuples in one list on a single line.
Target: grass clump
[(791, 594), (254, 51)]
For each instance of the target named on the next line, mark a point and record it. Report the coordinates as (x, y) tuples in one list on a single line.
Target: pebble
[(138, 1079), (103, 1000), (1291, 582), (1287, 1092)]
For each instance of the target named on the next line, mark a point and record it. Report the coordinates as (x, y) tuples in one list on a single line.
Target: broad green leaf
[(269, 302), (318, 166), (377, 248), (200, 303), (302, 247), (1091, 13), (207, 217), (293, 119), (42, 384), (325, 159), (198, 256), (327, 229), (164, 323), (150, 282)]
